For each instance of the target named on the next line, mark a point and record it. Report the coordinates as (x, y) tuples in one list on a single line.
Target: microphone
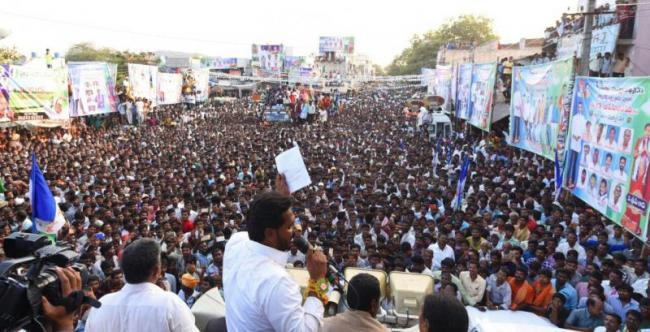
[(332, 272), (304, 247)]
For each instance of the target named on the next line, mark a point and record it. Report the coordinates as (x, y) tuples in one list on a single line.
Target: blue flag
[(558, 177), (46, 215), (458, 199)]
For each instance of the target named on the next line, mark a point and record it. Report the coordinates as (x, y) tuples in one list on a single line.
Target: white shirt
[(261, 296), (141, 307), (564, 247), (440, 254), (577, 129)]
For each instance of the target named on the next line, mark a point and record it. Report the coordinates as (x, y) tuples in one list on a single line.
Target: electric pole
[(586, 39)]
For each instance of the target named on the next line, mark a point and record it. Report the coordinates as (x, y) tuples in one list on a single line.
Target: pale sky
[(228, 28)]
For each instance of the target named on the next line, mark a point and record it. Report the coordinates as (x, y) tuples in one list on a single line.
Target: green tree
[(10, 56), (88, 52), (379, 71), (463, 30)]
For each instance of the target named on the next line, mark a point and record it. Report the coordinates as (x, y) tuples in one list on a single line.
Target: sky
[(382, 29)]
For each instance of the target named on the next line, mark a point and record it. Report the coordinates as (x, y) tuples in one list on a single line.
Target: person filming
[(260, 294)]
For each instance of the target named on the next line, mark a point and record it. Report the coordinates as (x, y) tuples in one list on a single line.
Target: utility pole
[(586, 39)]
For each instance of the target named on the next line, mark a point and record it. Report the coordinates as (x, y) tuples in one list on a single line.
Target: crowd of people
[(381, 198)]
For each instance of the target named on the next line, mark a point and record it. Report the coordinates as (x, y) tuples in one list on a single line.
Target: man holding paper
[(262, 296)]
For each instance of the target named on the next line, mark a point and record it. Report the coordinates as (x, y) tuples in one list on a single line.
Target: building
[(489, 52), (619, 26)]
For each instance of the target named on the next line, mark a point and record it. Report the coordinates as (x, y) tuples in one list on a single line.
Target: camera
[(31, 273)]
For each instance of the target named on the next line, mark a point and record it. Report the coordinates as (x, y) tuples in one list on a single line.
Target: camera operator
[(141, 305), (59, 319)]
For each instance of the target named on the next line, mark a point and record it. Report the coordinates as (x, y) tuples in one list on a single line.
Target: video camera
[(30, 274)]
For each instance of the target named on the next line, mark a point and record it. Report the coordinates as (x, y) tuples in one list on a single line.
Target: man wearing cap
[(188, 292)]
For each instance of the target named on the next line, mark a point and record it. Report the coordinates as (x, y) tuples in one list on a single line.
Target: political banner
[(343, 45), (463, 90), (428, 79), (93, 89), (169, 88), (482, 95), (202, 84), (291, 62), (443, 85), (33, 93), (603, 40), (269, 58), (454, 86), (540, 107), (608, 158), (144, 81), (218, 63)]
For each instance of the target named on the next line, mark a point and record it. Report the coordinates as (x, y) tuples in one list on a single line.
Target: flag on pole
[(558, 177), (458, 199), (46, 215)]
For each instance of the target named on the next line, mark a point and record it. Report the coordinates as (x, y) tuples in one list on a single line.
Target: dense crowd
[(381, 198)]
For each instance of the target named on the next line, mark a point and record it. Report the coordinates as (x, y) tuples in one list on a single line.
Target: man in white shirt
[(261, 294), (578, 124), (441, 251), (141, 305), (571, 243), (473, 282)]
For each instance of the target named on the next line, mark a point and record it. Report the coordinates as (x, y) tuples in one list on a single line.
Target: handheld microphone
[(304, 247)]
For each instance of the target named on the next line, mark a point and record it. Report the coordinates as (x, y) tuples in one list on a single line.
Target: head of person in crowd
[(270, 221), (364, 294), (141, 262), (443, 313)]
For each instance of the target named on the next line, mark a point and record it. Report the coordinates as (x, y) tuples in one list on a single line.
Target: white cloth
[(440, 254), (578, 123), (261, 296), (141, 307), (564, 247)]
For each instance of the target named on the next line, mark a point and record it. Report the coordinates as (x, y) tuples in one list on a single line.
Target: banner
[(269, 58), (169, 88), (218, 63), (482, 95), (144, 81), (202, 84), (33, 93), (603, 40), (609, 152), (343, 45), (93, 89), (443, 85), (292, 62), (540, 107), (428, 79), (463, 90)]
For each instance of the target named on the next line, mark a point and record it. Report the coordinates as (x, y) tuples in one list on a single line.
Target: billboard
[(540, 107), (144, 81), (608, 159), (603, 40), (169, 88), (33, 93), (93, 89)]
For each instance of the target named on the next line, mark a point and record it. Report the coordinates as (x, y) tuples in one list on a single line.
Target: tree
[(10, 56), (88, 52), (379, 71), (463, 31)]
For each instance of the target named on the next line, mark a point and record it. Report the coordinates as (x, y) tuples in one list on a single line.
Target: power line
[(126, 31)]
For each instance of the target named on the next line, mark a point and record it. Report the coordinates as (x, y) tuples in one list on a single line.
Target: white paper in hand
[(290, 164)]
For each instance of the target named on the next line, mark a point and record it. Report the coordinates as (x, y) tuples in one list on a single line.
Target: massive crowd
[(378, 200)]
